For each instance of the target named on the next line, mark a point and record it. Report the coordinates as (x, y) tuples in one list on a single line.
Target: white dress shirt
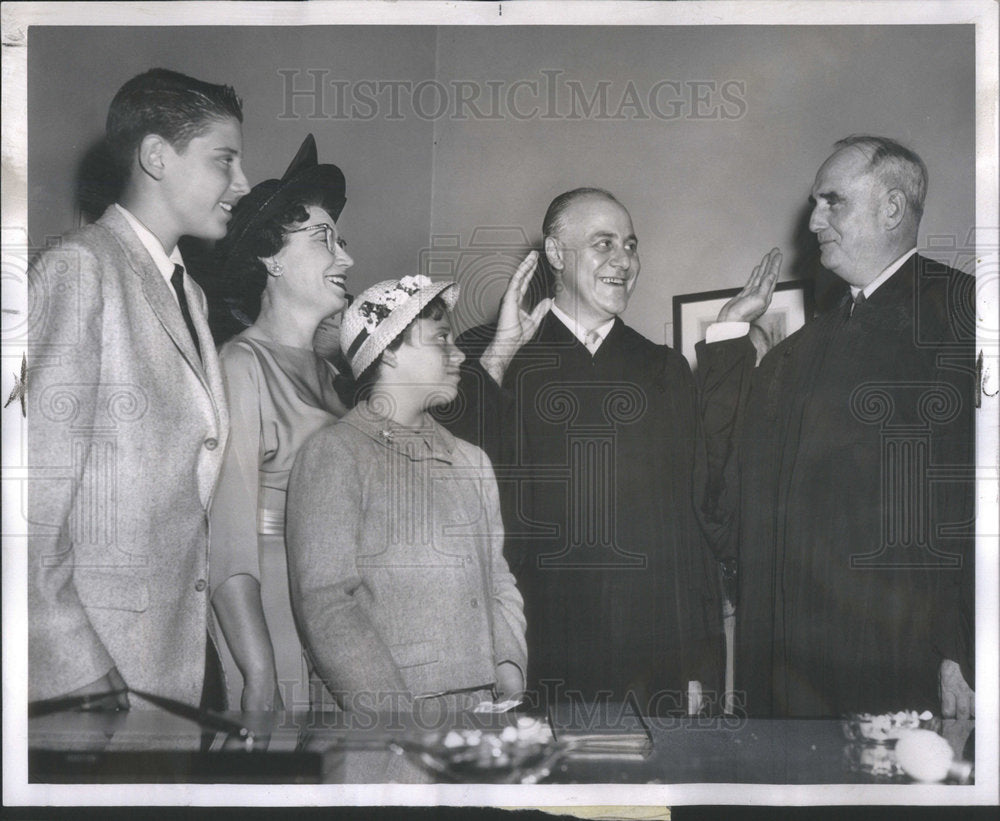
[(592, 339), (164, 263), (870, 288)]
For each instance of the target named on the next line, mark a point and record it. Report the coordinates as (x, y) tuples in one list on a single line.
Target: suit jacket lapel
[(157, 291), (210, 368)]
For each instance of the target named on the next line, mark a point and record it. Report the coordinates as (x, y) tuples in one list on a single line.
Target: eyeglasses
[(329, 235)]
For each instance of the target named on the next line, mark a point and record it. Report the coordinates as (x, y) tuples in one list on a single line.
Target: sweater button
[(474, 602), (211, 443), (200, 585)]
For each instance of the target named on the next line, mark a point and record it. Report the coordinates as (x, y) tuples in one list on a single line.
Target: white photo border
[(17, 17)]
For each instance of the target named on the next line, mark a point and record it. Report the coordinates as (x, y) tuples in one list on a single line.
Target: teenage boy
[(127, 418), (395, 540)]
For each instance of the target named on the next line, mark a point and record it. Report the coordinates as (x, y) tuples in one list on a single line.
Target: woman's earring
[(275, 269)]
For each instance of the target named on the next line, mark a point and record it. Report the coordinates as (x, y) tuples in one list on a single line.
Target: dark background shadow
[(98, 181)]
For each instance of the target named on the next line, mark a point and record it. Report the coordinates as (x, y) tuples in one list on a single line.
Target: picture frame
[(791, 306)]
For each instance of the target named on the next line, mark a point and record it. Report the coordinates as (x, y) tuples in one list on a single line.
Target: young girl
[(394, 533)]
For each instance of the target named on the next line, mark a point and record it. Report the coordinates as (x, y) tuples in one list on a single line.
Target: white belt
[(271, 522)]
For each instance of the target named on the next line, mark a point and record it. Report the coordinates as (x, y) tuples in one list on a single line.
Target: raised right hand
[(515, 326), (751, 303)]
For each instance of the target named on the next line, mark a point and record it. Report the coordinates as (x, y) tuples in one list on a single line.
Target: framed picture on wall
[(791, 305)]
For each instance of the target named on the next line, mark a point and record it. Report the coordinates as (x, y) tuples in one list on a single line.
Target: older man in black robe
[(593, 436), (842, 466)]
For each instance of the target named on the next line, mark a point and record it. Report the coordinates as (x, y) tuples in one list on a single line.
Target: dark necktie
[(177, 280), (857, 302)]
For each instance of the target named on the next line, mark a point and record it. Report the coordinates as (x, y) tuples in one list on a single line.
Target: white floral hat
[(381, 313)]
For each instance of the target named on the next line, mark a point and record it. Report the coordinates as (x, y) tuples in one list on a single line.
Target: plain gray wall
[(708, 197), (74, 73), (709, 193)]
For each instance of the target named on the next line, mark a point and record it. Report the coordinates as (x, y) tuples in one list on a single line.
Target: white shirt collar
[(164, 263), (582, 333), (870, 288)]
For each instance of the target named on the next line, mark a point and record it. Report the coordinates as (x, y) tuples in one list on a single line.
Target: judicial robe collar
[(622, 345), (553, 331), (891, 304)]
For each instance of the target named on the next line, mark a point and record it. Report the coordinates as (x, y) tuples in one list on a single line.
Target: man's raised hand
[(515, 326), (751, 303)]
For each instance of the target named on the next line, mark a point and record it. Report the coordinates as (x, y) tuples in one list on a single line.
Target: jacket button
[(468, 559), (211, 444), (474, 602), (200, 585)]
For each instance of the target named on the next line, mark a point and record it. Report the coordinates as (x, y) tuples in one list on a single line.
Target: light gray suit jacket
[(126, 431)]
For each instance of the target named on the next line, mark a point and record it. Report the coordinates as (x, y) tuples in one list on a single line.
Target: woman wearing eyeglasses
[(285, 270)]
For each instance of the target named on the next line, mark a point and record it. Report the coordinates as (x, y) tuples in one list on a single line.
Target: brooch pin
[(386, 434)]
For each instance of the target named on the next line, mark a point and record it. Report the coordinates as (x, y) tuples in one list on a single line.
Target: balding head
[(555, 215), (591, 248), (894, 165), (867, 201)]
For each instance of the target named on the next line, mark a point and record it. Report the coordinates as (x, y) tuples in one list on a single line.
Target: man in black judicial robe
[(593, 437), (842, 467)]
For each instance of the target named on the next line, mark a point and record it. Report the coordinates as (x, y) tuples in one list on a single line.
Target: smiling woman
[(285, 268)]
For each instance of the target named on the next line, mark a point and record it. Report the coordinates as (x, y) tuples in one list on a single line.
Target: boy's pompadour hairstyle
[(173, 105)]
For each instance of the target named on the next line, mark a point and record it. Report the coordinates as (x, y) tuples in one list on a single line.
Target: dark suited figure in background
[(843, 464), (593, 437)]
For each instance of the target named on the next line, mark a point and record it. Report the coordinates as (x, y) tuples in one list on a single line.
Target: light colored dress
[(278, 396)]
